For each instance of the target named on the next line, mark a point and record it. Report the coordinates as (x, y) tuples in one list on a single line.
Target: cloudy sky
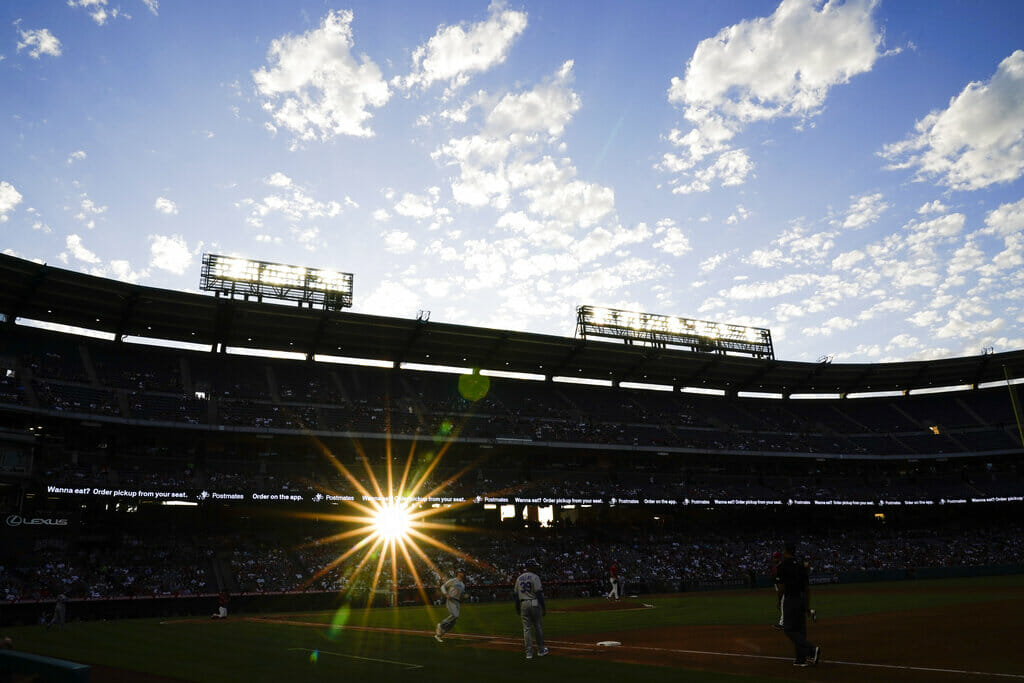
[(847, 174)]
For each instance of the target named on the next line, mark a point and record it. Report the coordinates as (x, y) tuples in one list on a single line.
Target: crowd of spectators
[(191, 388), (134, 567), (267, 563)]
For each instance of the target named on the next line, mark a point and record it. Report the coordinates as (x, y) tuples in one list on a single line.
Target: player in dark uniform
[(796, 605), (774, 571)]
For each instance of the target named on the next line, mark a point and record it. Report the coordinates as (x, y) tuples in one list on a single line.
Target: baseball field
[(948, 630)]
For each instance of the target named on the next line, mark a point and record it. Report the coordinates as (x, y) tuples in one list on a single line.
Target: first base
[(609, 643)]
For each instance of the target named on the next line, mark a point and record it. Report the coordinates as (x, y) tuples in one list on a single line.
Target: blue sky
[(847, 174)]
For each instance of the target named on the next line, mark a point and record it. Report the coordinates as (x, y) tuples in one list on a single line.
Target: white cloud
[(78, 250), (398, 242), (1006, 220), (39, 42), (575, 201), (291, 201), (847, 260), (712, 262), (97, 10), (766, 290), (170, 253), (546, 108), (77, 155), (417, 206), (959, 324), (381, 215), (506, 159), (902, 341), (966, 258), (885, 306), (864, 210), (153, 6), (672, 241), (731, 168), (924, 318), (761, 69), (393, 299), (599, 284), (314, 86), (279, 179), (165, 205), (9, 198), (454, 52), (308, 238), (41, 227), (932, 207), (741, 214), (122, 270), (1012, 256), (89, 209), (976, 141), (601, 241), (765, 258), (926, 235), (834, 324)]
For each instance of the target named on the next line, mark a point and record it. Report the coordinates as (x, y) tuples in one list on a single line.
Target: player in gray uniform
[(529, 598), (452, 590)]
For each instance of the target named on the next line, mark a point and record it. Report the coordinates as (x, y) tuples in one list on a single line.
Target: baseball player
[(222, 606), (613, 579), (452, 590), (796, 607), (776, 559), (59, 617), (529, 597)]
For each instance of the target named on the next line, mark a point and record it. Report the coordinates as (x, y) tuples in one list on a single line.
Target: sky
[(846, 174)]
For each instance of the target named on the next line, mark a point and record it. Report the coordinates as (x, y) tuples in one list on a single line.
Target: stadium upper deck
[(53, 295)]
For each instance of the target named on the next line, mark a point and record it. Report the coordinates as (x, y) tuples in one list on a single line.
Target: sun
[(392, 522), (394, 517)]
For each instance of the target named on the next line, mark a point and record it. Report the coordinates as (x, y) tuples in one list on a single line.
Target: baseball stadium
[(254, 483)]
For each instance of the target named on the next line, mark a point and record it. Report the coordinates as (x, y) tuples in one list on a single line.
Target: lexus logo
[(18, 520)]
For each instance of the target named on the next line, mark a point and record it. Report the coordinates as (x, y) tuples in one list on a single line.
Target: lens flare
[(389, 523), (392, 521)]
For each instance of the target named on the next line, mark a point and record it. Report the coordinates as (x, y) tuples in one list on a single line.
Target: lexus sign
[(18, 520)]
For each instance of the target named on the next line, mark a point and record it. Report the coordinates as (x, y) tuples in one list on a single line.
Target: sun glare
[(392, 522), (387, 528)]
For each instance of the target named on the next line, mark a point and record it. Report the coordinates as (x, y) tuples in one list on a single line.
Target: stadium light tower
[(662, 331), (310, 286)]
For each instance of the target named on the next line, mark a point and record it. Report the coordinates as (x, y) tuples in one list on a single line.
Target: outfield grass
[(271, 650)]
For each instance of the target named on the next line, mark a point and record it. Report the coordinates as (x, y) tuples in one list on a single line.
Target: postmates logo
[(18, 520)]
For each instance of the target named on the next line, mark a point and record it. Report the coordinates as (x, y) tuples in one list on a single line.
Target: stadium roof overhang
[(53, 295)]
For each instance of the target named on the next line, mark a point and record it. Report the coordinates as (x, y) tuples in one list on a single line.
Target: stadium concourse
[(125, 410)]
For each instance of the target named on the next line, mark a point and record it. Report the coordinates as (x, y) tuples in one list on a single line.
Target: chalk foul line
[(573, 646), (404, 665)]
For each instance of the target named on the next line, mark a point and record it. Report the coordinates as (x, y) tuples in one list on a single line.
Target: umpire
[(796, 605)]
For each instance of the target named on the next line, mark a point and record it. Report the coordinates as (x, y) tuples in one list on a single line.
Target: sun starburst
[(392, 521)]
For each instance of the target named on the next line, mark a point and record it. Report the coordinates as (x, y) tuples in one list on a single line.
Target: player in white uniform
[(614, 580), (452, 590), (529, 596)]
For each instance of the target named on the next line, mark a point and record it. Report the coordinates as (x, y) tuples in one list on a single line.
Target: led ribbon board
[(313, 286), (664, 330)]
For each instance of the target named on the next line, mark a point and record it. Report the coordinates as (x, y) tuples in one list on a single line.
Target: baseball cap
[(776, 555)]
